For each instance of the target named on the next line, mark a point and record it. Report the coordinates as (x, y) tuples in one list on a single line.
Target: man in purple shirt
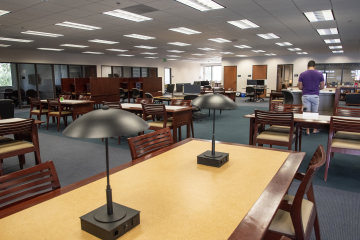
[(310, 82)]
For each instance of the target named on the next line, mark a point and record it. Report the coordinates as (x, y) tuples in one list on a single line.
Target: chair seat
[(277, 128), (275, 136), (345, 143), (62, 113), (38, 111), (160, 124), (10, 146), (277, 100), (347, 135), (282, 222)]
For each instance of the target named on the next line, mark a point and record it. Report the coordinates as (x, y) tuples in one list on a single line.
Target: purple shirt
[(311, 81)]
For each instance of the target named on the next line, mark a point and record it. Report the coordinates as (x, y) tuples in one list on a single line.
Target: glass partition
[(117, 71), (75, 71), (333, 74), (144, 72), (45, 81), (351, 73), (60, 71), (127, 72), (28, 83), (136, 72)]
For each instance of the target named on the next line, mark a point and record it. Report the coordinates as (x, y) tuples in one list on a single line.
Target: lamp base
[(217, 160), (110, 230)]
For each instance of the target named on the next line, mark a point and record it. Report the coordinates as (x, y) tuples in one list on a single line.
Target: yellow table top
[(178, 198)]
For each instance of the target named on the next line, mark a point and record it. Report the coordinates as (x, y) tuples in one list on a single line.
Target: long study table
[(178, 198), (78, 106)]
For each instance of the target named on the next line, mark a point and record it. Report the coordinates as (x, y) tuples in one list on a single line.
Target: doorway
[(167, 76), (230, 77), (284, 76)]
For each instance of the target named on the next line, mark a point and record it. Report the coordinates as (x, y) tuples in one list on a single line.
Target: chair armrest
[(299, 176)]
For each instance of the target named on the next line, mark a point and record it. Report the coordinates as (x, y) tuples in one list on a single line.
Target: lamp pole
[(213, 136), (108, 188)]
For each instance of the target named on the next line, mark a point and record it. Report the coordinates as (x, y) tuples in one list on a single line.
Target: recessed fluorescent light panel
[(281, 44), (171, 59), (243, 24), (42, 34), (268, 36), (302, 53), (226, 52), (3, 12), (73, 45), (51, 49), (242, 46), (318, 16), (4, 45), (125, 55), (151, 57), (198, 54), (206, 49), (219, 40), (94, 52), (127, 15), (328, 31), (294, 49), (146, 47), (149, 53), (102, 41), (332, 41), (192, 58), (258, 51), (184, 30), (172, 56), (78, 26), (339, 51), (15, 40), (138, 36), (201, 5), (241, 55), (175, 51), (335, 47), (117, 50), (179, 43), (270, 54)]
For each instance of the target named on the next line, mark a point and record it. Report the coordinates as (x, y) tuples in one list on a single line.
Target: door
[(279, 77), (167, 77), (230, 77)]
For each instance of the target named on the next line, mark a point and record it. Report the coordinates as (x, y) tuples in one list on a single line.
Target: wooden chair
[(144, 100), (347, 112), (115, 105), (286, 137), (280, 107), (84, 97), (18, 147), (158, 114), (186, 103), (296, 216), (66, 96), (57, 111), (344, 137), (23, 185), (150, 142), (36, 108)]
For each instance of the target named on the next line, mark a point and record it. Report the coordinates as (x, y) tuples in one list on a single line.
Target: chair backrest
[(31, 93), (288, 96), (148, 95), (219, 90), (305, 187), (115, 105), (274, 118), (180, 102), (84, 97), (35, 102), (54, 105), (26, 125), (135, 93), (207, 86), (280, 107), (190, 97), (144, 100), (344, 124), (230, 89), (122, 93), (250, 90), (347, 112), (66, 96), (154, 110), (148, 143), (26, 184)]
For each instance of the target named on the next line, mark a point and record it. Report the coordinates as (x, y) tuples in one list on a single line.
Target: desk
[(181, 116), (185, 201), (78, 106)]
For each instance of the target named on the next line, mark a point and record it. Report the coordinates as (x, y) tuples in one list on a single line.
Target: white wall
[(244, 65), (182, 72)]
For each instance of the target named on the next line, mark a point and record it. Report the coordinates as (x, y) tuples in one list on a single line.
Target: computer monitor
[(251, 82), (170, 88), (180, 86), (260, 82), (204, 83), (192, 89)]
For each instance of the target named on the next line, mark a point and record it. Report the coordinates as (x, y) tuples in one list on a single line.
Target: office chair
[(258, 92), (250, 92), (135, 93), (288, 96), (122, 94)]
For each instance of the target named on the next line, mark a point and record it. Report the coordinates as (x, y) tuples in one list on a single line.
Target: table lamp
[(111, 220), (213, 101)]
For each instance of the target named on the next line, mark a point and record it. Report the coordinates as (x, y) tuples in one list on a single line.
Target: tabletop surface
[(71, 101), (136, 105), (178, 198)]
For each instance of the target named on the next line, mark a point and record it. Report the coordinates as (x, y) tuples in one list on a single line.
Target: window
[(6, 74), (213, 73), (136, 72), (144, 72)]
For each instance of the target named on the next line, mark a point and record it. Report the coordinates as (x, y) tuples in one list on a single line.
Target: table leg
[(251, 132), (179, 133)]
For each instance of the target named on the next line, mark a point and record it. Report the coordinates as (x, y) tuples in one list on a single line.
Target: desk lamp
[(213, 101), (111, 220)]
